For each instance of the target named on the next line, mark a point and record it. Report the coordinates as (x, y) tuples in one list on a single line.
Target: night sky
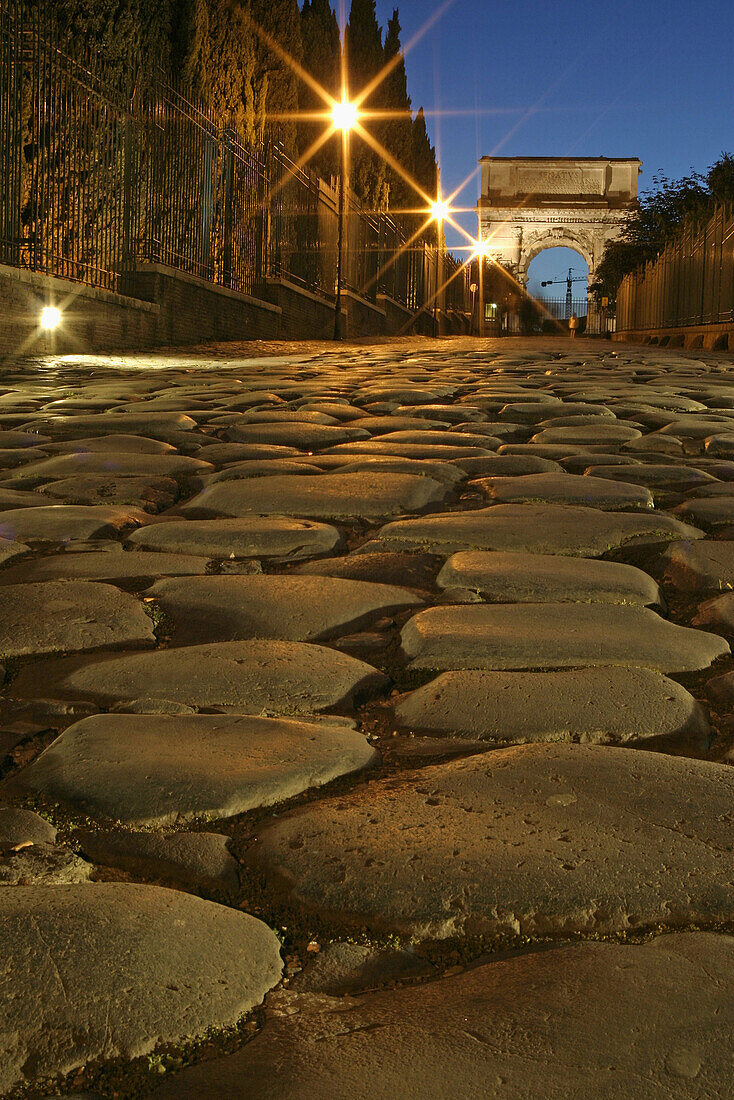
[(624, 78)]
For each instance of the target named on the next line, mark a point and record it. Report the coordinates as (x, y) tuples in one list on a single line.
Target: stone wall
[(168, 307)]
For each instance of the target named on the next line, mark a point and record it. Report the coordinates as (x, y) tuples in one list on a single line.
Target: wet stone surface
[(373, 673)]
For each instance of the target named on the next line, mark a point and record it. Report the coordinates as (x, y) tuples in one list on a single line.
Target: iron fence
[(691, 282), (100, 174), (560, 309)]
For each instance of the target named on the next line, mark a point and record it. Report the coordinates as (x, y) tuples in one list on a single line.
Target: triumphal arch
[(531, 203)]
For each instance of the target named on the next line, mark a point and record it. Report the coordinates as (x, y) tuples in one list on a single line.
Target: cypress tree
[(276, 83), (322, 58), (365, 58), (220, 63), (398, 132), (425, 168)]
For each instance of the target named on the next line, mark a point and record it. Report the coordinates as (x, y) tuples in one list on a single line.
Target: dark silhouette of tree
[(425, 168), (220, 63), (276, 84), (398, 132), (659, 216), (365, 57), (321, 58)]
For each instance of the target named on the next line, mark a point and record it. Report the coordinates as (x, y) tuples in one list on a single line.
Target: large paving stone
[(135, 570), (554, 635), (15, 498), (43, 864), (151, 424), (151, 494), (123, 464), (21, 827), (533, 528), (538, 840), (69, 616), (197, 861), (601, 706), (65, 522), (716, 614), (564, 488), (109, 970), (144, 769), (306, 437), (668, 478), (223, 609), (10, 549), (712, 511), (251, 677), (279, 537), (507, 465), (410, 570), (545, 578), (328, 496), (437, 452), (644, 1022), (135, 444), (702, 568), (602, 433)]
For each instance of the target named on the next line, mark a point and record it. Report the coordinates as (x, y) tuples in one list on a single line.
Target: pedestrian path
[(367, 724)]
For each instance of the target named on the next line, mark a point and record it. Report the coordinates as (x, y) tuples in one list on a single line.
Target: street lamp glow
[(344, 115), (439, 210), (50, 317)]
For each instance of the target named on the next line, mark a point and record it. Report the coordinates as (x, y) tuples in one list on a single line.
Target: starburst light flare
[(344, 115)]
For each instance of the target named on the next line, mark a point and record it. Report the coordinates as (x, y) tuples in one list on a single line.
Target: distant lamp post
[(439, 211), (473, 288), (344, 117), (480, 253), (50, 318)]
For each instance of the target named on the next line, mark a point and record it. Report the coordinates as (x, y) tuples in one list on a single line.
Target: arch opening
[(552, 264)]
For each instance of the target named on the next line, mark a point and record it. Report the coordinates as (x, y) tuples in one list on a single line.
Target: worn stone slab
[(533, 528), (151, 494), (162, 770), (109, 970), (667, 478), (65, 522), (43, 864), (69, 616), (152, 424), (536, 412), (10, 549), (602, 433), (306, 437), (113, 464), (712, 511), (716, 615), (21, 440), (263, 467), (135, 444), (439, 471), (408, 570), (15, 498), (328, 496), (436, 452), (223, 609), (251, 677), (545, 578), (562, 488), (198, 861), (434, 438), (272, 536), (376, 425), (554, 635), (507, 465), (524, 840), (19, 827), (699, 427), (599, 706), (135, 569), (555, 1024), (702, 568)]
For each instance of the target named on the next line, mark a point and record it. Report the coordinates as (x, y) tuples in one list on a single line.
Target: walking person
[(573, 324)]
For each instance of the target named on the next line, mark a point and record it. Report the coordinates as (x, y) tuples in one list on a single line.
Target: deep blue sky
[(639, 78)]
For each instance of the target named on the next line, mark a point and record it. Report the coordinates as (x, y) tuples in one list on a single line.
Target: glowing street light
[(50, 318), (344, 116)]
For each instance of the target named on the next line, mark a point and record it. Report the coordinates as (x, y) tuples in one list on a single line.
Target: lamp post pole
[(340, 240)]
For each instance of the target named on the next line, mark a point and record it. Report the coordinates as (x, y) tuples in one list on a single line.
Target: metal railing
[(100, 175), (690, 283)]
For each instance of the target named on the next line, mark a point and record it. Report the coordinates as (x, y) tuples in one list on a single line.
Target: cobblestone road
[(366, 723)]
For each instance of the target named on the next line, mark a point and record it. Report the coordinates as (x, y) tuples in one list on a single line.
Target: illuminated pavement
[(347, 677)]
